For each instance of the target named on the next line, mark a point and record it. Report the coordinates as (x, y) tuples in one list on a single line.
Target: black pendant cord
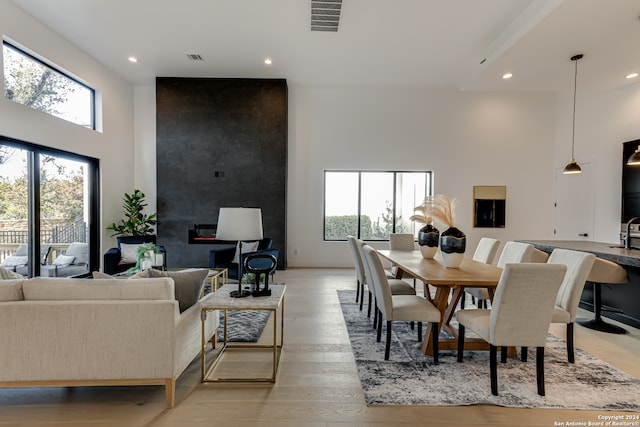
[(575, 88)]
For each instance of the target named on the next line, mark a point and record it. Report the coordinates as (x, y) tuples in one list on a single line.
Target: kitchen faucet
[(627, 237)]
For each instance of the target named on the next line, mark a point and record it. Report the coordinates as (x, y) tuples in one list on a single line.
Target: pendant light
[(572, 167), (634, 159)]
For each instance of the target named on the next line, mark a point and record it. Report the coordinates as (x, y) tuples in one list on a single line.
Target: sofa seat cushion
[(50, 288), (11, 290), (188, 284)]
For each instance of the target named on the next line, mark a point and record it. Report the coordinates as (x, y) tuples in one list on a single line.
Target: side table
[(221, 300)]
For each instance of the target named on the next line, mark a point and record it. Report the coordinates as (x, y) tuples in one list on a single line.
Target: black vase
[(453, 243), (428, 238)]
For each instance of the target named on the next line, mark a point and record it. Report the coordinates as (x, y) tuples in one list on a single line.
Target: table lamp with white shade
[(241, 224)]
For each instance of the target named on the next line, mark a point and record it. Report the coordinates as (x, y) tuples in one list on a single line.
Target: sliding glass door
[(48, 211)]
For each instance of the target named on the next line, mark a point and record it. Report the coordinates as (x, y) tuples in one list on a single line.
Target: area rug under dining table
[(411, 378)]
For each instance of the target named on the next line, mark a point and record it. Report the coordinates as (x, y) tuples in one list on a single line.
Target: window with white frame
[(372, 204), (40, 85)]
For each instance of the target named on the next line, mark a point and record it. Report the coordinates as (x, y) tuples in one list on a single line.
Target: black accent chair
[(222, 256), (113, 256)]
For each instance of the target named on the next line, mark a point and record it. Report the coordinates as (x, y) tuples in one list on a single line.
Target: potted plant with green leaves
[(136, 222), (146, 257)]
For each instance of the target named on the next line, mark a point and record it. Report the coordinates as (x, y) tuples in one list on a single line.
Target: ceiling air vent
[(325, 15), (194, 57)]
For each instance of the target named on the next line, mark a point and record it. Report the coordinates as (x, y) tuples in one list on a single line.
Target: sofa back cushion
[(52, 288), (11, 290)]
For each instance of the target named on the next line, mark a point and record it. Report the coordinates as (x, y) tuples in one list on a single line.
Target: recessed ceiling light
[(507, 76), (268, 61), (133, 59), (632, 75)]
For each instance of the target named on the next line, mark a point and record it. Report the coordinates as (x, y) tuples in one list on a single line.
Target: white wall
[(604, 120), (466, 139), (112, 145)]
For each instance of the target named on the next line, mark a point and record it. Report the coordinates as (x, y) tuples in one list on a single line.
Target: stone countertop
[(608, 251)]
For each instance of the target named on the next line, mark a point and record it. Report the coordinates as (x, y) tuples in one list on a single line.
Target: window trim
[(46, 63), (428, 185)]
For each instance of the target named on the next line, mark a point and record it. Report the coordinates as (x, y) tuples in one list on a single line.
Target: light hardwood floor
[(317, 383)]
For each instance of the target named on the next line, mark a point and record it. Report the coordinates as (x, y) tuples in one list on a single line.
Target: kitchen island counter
[(609, 251), (621, 302)]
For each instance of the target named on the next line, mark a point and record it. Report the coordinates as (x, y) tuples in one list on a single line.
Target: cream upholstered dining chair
[(357, 261), (513, 252), (401, 242), (399, 307), (566, 307), (397, 286), (513, 320), (485, 252)]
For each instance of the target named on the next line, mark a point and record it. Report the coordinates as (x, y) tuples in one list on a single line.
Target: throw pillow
[(101, 275), (144, 274), (246, 248), (15, 261), (11, 290), (128, 253), (188, 284), (138, 275), (9, 275), (63, 260)]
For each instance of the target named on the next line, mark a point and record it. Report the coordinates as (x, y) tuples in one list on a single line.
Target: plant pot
[(453, 243), (428, 238)]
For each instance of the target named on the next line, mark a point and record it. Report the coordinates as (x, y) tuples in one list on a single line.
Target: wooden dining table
[(450, 284)]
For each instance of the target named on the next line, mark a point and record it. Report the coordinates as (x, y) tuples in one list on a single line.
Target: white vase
[(428, 252), (452, 260)]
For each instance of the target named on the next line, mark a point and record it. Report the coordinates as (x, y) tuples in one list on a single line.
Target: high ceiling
[(382, 43)]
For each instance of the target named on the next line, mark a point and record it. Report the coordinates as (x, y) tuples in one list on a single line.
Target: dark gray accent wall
[(220, 143)]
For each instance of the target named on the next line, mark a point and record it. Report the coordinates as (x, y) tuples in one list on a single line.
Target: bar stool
[(603, 272)]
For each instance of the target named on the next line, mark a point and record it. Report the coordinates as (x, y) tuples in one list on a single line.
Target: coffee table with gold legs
[(220, 300)]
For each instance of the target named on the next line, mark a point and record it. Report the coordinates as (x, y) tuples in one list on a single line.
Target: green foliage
[(140, 252), (61, 194), (339, 227), (136, 223), (13, 199), (249, 278), (32, 84)]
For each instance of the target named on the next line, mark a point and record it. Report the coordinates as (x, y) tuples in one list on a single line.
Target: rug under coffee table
[(222, 301)]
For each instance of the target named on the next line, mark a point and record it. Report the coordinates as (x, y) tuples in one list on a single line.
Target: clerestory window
[(40, 85)]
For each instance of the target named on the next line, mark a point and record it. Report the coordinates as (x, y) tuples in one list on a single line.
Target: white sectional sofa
[(83, 332)]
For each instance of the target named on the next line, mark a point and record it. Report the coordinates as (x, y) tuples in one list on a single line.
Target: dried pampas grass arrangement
[(423, 217), (439, 207)]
